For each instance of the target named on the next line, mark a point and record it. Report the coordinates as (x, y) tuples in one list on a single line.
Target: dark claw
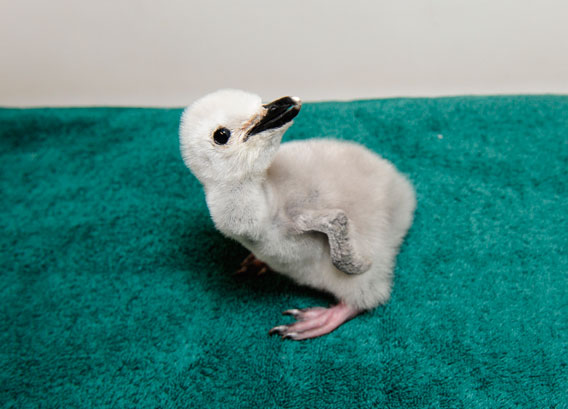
[(249, 260), (289, 336), (278, 330), (240, 271), (294, 313)]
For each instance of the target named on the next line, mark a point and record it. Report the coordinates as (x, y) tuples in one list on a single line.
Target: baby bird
[(328, 214)]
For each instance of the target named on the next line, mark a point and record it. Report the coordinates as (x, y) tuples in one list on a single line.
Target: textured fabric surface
[(116, 290)]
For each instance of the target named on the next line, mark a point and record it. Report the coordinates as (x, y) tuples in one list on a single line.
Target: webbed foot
[(315, 322)]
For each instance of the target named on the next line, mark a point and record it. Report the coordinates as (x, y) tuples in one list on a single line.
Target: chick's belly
[(299, 257)]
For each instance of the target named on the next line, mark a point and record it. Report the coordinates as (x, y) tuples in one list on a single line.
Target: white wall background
[(167, 53)]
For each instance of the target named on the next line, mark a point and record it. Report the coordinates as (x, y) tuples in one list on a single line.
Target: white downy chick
[(328, 214)]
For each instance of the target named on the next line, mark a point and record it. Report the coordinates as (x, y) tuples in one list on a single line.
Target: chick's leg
[(315, 322)]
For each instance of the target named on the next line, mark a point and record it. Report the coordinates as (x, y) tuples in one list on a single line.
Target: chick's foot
[(315, 322), (252, 265)]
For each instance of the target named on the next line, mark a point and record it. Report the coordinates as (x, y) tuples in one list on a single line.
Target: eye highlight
[(221, 136)]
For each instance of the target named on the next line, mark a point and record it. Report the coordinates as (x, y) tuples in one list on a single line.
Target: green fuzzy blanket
[(116, 290)]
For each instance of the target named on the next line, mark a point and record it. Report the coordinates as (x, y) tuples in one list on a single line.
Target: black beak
[(278, 113)]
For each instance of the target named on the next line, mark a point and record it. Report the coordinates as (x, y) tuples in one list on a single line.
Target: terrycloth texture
[(116, 290)]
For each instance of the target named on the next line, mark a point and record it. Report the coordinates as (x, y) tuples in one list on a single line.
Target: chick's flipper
[(345, 255)]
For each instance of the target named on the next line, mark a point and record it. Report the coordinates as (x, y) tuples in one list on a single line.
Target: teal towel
[(116, 290)]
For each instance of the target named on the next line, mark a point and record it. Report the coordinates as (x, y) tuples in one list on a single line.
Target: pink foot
[(315, 322)]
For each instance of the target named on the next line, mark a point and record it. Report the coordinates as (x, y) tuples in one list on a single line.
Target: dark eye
[(221, 136)]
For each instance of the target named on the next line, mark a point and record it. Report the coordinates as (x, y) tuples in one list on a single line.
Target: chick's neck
[(240, 209)]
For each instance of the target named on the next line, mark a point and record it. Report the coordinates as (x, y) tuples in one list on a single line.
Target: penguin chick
[(328, 214)]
